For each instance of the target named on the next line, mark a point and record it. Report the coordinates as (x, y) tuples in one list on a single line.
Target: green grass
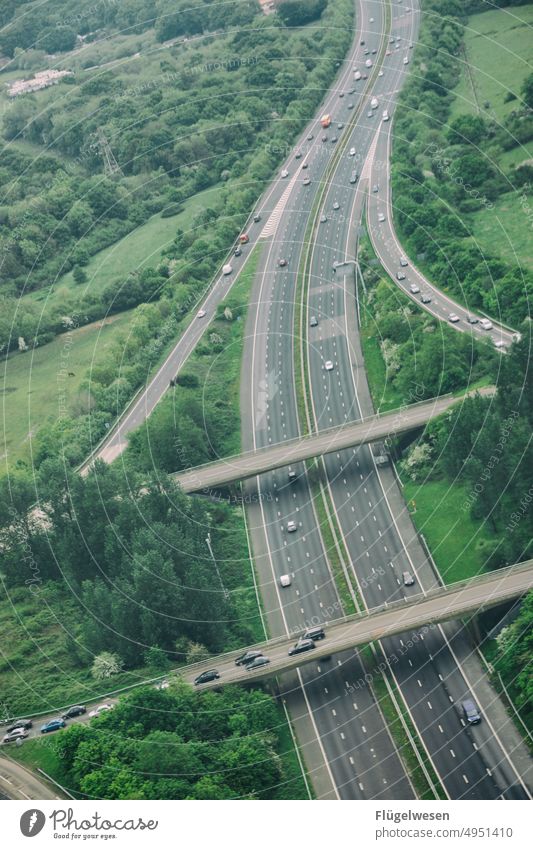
[(294, 784), (36, 387), (499, 50), (141, 248), (506, 229), (450, 532), (385, 396), (37, 672), (219, 372)]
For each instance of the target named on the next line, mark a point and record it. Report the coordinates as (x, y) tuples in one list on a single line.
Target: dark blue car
[(53, 725)]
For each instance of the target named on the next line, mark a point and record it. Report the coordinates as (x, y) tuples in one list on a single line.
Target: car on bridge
[(301, 647), (75, 710), (205, 677), (258, 662), (247, 657), (16, 734), (53, 725)]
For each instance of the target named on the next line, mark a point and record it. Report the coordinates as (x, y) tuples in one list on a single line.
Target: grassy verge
[(43, 384), (450, 532), (294, 786)]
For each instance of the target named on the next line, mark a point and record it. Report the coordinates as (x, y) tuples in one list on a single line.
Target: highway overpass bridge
[(375, 428), (417, 611)]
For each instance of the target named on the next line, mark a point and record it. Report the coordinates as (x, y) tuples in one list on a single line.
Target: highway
[(381, 542), (389, 250), (379, 537), (332, 439), (348, 750)]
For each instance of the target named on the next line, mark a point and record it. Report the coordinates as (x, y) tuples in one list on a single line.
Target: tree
[(105, 665), (79, 275)]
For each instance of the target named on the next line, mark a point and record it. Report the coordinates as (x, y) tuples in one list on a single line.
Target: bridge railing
[(299, 440)]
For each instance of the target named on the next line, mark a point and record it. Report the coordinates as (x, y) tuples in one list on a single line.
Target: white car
[(328, 365), (291, 526), (400, 275), (414, 289), (380, 73), (285, 580), (368, 63), (453, 318), (284, 173), (227, 269), (406, 60), (371, 20), (100, 709), (201, 314), (486, 324), (403, 261), (336, 205), (499, 343), (381, 218), (352, 151), (307, 181)]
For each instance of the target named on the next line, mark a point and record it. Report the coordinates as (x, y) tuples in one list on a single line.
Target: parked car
[(20, 723), (16, 734), (301, 647), (247, 657), (205, 677), (53, 725), (75, 710), (258, 662), (100, 709)]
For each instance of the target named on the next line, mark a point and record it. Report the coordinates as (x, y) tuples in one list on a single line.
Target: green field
[(450, 533), (141, 248), (36, 386), (499, 50), (507, 229)]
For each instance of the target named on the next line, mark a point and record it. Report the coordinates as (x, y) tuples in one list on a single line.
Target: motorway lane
[(361, 757), (389, 251), (377, 553)]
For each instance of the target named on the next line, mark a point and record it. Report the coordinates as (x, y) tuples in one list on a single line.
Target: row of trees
[(442, 173)]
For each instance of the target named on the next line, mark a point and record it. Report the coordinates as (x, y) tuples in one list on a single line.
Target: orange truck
[(325, 121)]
